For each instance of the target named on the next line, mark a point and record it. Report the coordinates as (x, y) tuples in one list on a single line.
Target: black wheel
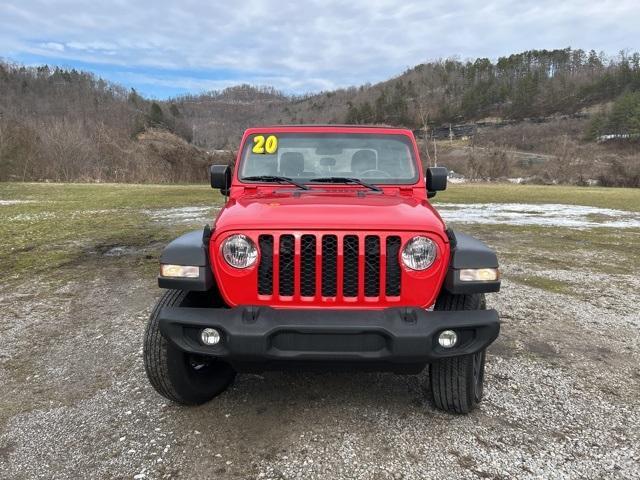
[(457, 383), (181, 377)]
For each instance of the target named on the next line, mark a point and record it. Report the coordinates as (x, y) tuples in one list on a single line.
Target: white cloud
[(303, 45), (53, 46), (202, 84), (92, 46)]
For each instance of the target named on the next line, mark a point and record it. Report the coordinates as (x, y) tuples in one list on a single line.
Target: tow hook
[(409, 315), (250, 314)]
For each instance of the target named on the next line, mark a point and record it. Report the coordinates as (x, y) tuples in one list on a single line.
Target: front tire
[(176, 375), (457, 383)]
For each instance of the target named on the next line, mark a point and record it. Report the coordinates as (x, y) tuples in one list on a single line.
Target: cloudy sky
[(164, 48)]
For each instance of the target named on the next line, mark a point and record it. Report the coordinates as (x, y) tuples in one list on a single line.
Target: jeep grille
[(350, 266)]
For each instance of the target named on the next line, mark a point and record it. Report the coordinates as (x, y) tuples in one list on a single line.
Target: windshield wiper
[(275, 178), (346, 180)]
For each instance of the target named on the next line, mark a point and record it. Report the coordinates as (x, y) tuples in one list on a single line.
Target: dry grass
[(482, 192)]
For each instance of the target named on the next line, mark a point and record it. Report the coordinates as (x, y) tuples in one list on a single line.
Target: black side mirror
[(436, 180), (220, 178)]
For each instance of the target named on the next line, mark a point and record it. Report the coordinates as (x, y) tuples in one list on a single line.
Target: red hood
[(346, 210)]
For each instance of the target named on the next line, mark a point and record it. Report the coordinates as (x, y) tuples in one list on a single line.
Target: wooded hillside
[(67, 125), (536, 83)]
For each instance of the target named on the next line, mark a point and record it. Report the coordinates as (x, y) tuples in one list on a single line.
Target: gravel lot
[(561, 395)]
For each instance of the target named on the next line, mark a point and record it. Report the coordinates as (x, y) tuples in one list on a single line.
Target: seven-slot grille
[(329, 265)]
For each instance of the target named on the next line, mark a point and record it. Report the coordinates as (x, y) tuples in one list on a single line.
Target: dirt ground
[(562, 386)]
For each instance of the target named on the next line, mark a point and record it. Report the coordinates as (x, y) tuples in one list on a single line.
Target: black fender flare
[(469, 252), (192, 248)]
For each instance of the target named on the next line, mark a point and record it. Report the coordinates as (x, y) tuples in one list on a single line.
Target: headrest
[(327, 162), (264, 165), (363, 160), (291, 164)]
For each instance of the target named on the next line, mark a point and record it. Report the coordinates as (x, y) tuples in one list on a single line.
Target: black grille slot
[(329, 265), (265, 269), (371, 266), (350, 255), (328, 342), (287, 253), (393, 267), (308, 266)]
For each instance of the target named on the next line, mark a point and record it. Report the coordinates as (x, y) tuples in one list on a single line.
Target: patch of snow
[(120, 251), (457, 180), (617, 136), (182, 214), (455, 177), (31, 217), (14, 202), (545, 214)]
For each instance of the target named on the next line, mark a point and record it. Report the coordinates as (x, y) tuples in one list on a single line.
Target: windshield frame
[(403, 135)]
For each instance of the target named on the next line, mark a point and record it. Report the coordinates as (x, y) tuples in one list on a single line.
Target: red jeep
[(327, 253)]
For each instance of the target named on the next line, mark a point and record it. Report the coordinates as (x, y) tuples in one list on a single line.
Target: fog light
[(447, 338), (210, 336)]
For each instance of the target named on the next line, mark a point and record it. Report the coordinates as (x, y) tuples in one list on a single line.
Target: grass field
[(51, 225), (620, 198), (56, 224)]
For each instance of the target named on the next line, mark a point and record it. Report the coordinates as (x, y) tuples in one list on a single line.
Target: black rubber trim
[(189, 249), (469, 252), (401, 334)]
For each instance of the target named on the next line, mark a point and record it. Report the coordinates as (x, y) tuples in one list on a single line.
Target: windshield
[(373, 158)]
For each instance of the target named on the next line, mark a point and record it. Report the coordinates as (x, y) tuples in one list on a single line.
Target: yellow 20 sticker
[(262, 145)]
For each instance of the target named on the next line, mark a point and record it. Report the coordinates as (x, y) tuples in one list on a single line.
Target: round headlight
[(419, 253), (239, 251)]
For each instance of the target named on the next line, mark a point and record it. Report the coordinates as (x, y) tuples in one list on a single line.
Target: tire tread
[(155, 349), (451, 389)]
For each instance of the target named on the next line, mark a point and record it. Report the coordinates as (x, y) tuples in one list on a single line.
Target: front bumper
[(393, 335)]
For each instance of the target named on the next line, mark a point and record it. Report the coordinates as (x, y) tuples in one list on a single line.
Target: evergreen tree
[(173, 109), (155, 118), (352, 114), (597, 126), (134, 98), (624, 118), (625, 114), (381, 106), (367, 114)]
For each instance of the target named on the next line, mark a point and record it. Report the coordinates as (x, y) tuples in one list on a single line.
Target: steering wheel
[(373, 173)]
